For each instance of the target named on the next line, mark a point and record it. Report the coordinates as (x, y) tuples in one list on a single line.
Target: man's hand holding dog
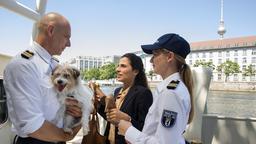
[(73, 107)]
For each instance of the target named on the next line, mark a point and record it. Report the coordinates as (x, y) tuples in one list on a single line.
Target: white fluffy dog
[(67, 83)]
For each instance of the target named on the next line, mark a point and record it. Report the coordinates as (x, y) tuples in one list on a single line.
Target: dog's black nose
[(59, 81)]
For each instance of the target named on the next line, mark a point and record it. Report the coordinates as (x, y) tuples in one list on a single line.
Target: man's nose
[(68, 43)]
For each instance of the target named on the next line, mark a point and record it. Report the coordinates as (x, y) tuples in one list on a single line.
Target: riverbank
[(233, 86), (223, 86)]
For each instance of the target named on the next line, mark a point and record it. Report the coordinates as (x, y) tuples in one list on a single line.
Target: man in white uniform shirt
[(31, 101), (172, 108)]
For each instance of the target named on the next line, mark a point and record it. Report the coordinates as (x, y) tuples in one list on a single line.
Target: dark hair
[(136, 63)]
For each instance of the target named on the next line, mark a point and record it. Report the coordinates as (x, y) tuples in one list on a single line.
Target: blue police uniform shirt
[(167, 117), (30, 96)]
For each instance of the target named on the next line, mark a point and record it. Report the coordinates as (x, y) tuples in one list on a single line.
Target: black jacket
[(136, 104)]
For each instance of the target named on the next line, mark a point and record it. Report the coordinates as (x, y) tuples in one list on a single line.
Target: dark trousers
[(30, 140)]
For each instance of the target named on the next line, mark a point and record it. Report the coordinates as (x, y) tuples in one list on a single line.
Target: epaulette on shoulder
[(27, 54), (173, 84), (54, 58)]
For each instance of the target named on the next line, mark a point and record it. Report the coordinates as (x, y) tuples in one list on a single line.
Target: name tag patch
[(168, 118)]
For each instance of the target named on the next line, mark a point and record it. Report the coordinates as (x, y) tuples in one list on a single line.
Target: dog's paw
[(68, 130), (54, 121)]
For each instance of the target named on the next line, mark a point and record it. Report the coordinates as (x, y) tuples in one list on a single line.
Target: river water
[(224, 103), (232, 104)]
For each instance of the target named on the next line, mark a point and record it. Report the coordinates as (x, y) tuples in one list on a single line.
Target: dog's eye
[(66, 75)]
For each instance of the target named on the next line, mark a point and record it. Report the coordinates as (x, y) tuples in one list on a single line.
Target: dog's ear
[(55, 69), (76, 72)]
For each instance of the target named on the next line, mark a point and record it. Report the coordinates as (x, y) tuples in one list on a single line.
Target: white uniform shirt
[(167, 103), (30, 97)]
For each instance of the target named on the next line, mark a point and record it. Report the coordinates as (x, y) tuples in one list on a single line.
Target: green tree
[(108, 71), (249, 71), (204, 64), (228, 68), (91, 74), (83, 73), (151, 74)]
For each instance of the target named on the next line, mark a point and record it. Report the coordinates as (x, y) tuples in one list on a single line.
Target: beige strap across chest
[(119, 100), (121, 96)]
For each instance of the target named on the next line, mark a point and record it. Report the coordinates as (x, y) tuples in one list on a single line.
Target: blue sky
[(114, 27)]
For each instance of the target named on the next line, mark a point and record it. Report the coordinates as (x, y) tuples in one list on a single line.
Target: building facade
[(241, 50), (89, 62)]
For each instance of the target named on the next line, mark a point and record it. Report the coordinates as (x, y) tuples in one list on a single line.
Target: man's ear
[(50, 30)]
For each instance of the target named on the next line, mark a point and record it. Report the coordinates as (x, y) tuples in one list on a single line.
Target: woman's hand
[(73, 107), (114, 116), (123, 127), (96, 89)]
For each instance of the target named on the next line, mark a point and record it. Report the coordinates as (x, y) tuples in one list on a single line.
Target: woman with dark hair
[(132, 100)]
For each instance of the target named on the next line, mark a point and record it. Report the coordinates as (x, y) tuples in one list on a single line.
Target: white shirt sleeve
[(22, 83), (163, 135)]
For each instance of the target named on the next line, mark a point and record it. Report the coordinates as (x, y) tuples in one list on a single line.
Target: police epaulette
[(173, 84), (27, 54), (54, 58)]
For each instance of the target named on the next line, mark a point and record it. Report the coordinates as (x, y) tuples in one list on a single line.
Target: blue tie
[(52, 64)]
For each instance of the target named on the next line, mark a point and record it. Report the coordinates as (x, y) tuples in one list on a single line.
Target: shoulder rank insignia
[(173, 84), (54, 58), (168, 118), (27, 54)]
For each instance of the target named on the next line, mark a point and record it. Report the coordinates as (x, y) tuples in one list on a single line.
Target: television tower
[(221, 29)]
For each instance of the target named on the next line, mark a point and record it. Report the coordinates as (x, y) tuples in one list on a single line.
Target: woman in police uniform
[(172, 108)]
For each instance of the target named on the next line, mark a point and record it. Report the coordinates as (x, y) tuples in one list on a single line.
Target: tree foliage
[(204, 64), (249, 70), (108, 71), (228, 68), (91, 74), (151, 74), (105, 72)]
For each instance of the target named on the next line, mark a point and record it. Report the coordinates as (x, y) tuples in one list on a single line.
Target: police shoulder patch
[(173, 84), (27, 54), (168, 118)]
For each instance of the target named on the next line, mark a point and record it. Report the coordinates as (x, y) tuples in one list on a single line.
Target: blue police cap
[(171, 42)]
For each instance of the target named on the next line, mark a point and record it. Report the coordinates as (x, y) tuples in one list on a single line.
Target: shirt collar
[(42, 52), (162, 85)]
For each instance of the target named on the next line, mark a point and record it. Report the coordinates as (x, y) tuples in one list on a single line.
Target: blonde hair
[(186, 76)]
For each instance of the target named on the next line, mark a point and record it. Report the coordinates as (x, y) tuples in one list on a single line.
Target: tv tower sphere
[(221, 29)]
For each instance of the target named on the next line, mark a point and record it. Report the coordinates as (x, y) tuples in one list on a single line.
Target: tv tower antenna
[(221, 29)]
